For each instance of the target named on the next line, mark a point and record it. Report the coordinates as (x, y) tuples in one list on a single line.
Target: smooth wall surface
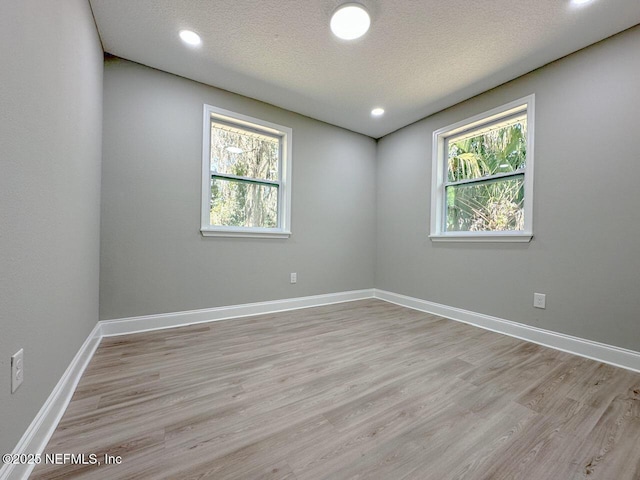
[(50, 150), (585, 254), (153, 257)]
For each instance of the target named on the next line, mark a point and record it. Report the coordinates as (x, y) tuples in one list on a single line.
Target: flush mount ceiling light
[(350, 21), (580, 2), (377, 112), (190, 38)]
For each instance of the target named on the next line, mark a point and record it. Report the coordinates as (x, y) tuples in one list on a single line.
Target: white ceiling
[(419, 56)]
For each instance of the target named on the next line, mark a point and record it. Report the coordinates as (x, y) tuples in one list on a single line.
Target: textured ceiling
[(419, 56)]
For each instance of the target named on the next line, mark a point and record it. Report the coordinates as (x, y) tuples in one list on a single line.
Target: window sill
[(484, 237), (245, 232)]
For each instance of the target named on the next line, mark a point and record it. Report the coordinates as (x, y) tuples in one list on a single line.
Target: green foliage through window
[(243, 204), (244, 177), (485, 177)]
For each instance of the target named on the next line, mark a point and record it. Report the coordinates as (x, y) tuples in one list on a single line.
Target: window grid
[(267, 210), (449, 182)]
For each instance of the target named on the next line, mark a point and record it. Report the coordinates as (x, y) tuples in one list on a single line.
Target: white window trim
[(438, 233), (283, 230)]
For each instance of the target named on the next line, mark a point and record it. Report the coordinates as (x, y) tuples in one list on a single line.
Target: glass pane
[(243, 204), (486, 206), (244, 153), (498, 148)]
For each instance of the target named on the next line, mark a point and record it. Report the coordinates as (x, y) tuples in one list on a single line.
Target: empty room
[(322, 239)]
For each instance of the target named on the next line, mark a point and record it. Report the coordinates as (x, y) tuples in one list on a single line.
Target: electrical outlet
[(539, 300), (17, 370), (294, 277)]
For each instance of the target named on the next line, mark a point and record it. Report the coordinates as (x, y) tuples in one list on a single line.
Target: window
[(482, 180), (246, 176)]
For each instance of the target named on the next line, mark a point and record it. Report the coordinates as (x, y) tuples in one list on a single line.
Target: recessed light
[(234, 150), (376, 112), (350, 21), (190, 38), (580, 2)]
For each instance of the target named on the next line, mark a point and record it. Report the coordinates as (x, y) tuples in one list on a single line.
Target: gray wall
[(50, 149), (153, 257), (586, 251)]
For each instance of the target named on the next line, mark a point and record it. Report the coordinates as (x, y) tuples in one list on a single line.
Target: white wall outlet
[(539, 300), (17, 370), (294, 277)]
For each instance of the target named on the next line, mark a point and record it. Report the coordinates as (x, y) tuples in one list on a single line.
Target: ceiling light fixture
[(377, 112), (580, 2), (190, 38), (350, 21)]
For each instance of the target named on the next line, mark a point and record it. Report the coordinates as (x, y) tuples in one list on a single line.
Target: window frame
[(237, 120), (439, 162)]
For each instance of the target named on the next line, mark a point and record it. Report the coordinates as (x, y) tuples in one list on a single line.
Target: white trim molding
[(438, 232), (37, 436), (482, 237), (179, 319), (285, 137), (601, 352)]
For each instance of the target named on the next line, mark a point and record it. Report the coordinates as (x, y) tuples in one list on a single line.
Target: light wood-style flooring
[(359, 390)]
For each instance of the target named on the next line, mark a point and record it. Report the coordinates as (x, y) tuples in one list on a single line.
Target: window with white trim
[(246, 176), (482, 176)]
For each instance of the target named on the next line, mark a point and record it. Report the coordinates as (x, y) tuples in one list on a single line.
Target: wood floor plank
[(357, 390), (612, 447)]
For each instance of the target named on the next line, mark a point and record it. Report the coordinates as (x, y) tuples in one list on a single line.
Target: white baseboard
[(601, 352), (146, 323), (39, 432)]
